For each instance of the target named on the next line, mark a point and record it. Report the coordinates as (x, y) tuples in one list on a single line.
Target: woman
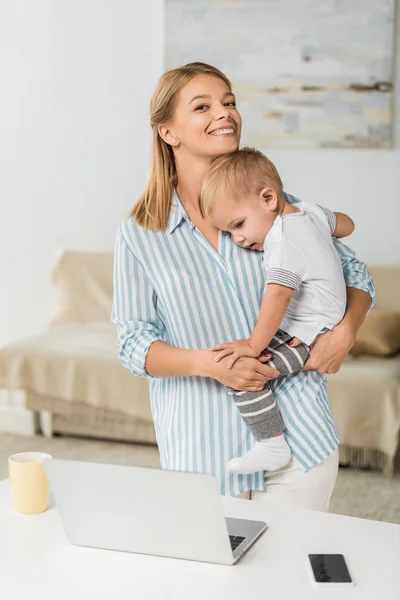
[(180, 288)]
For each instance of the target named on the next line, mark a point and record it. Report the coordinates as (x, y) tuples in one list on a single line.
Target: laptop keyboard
[(235, 540)]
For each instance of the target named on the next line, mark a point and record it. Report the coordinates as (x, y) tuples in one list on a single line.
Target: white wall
[(75, 80)]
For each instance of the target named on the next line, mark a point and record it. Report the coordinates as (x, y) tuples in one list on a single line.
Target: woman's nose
[(221, 112)]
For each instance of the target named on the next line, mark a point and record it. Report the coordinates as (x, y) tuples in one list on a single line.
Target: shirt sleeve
[(287, 266), (355, 271), (330, 217), (134, 309)]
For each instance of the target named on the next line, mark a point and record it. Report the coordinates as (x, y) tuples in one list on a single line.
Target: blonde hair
[(153, 207), (240, 174)]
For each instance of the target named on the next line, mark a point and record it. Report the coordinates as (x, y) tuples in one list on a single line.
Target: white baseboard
[(14, 417), (19, 420)]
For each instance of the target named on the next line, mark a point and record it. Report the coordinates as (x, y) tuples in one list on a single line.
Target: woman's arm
[(330, 349), (140, 333), (134, 309), (356, 275), (247, 374), (167, 361)]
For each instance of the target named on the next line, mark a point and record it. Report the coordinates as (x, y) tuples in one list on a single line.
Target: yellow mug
[(29, 485)]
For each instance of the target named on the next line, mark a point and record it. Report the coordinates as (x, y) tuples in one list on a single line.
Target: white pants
[(293, 487)]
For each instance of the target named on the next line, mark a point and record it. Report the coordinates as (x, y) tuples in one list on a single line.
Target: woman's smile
[(223, 131)]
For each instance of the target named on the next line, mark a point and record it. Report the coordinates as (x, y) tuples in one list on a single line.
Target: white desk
[(36, 561)]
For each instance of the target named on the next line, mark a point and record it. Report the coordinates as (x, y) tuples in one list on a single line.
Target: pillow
[(82, 287), (379, 335)]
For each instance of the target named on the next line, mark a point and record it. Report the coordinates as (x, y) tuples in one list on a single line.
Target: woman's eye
[(232, 103), (201, 107)]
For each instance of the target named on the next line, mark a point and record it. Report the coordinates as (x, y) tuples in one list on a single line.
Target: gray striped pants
[(259, 409)]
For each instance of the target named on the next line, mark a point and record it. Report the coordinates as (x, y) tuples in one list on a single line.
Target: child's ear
[(268, 196)]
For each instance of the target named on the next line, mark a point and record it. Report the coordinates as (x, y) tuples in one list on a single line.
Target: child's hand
[(235, 350)]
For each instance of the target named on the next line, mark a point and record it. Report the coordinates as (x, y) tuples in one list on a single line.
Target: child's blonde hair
[(240, 174)]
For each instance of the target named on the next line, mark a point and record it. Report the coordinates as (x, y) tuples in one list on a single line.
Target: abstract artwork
[(306, 73)]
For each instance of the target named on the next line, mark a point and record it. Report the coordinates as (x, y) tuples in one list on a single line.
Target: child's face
[(248, 221)]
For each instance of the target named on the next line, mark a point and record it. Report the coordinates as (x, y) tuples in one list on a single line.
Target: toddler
[(305, 289)]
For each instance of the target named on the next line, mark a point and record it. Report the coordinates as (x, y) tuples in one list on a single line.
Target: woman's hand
[(248, 374), (330, 349), (234, 350)]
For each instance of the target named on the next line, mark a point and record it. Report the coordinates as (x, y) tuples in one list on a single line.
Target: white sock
[(266, 455)]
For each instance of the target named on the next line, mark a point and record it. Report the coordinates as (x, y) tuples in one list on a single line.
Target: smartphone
[(329, 570)]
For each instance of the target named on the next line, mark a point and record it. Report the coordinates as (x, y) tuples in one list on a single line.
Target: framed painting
[(306, 73)]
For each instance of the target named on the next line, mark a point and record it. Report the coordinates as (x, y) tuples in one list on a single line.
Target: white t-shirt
[(299, 253)]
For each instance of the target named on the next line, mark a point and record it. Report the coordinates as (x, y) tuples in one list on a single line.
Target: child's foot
[(266, 455)]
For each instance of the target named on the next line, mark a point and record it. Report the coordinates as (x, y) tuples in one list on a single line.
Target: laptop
[(147, 511)]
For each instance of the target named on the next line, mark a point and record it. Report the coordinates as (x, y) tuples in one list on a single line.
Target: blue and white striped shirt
[(175, 287)]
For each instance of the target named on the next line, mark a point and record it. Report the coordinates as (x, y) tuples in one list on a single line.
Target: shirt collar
[(177, 213)]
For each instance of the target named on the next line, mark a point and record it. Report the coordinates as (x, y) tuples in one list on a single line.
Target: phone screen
[(329, 568)]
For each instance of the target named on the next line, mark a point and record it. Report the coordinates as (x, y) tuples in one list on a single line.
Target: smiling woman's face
[(206, 122)]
